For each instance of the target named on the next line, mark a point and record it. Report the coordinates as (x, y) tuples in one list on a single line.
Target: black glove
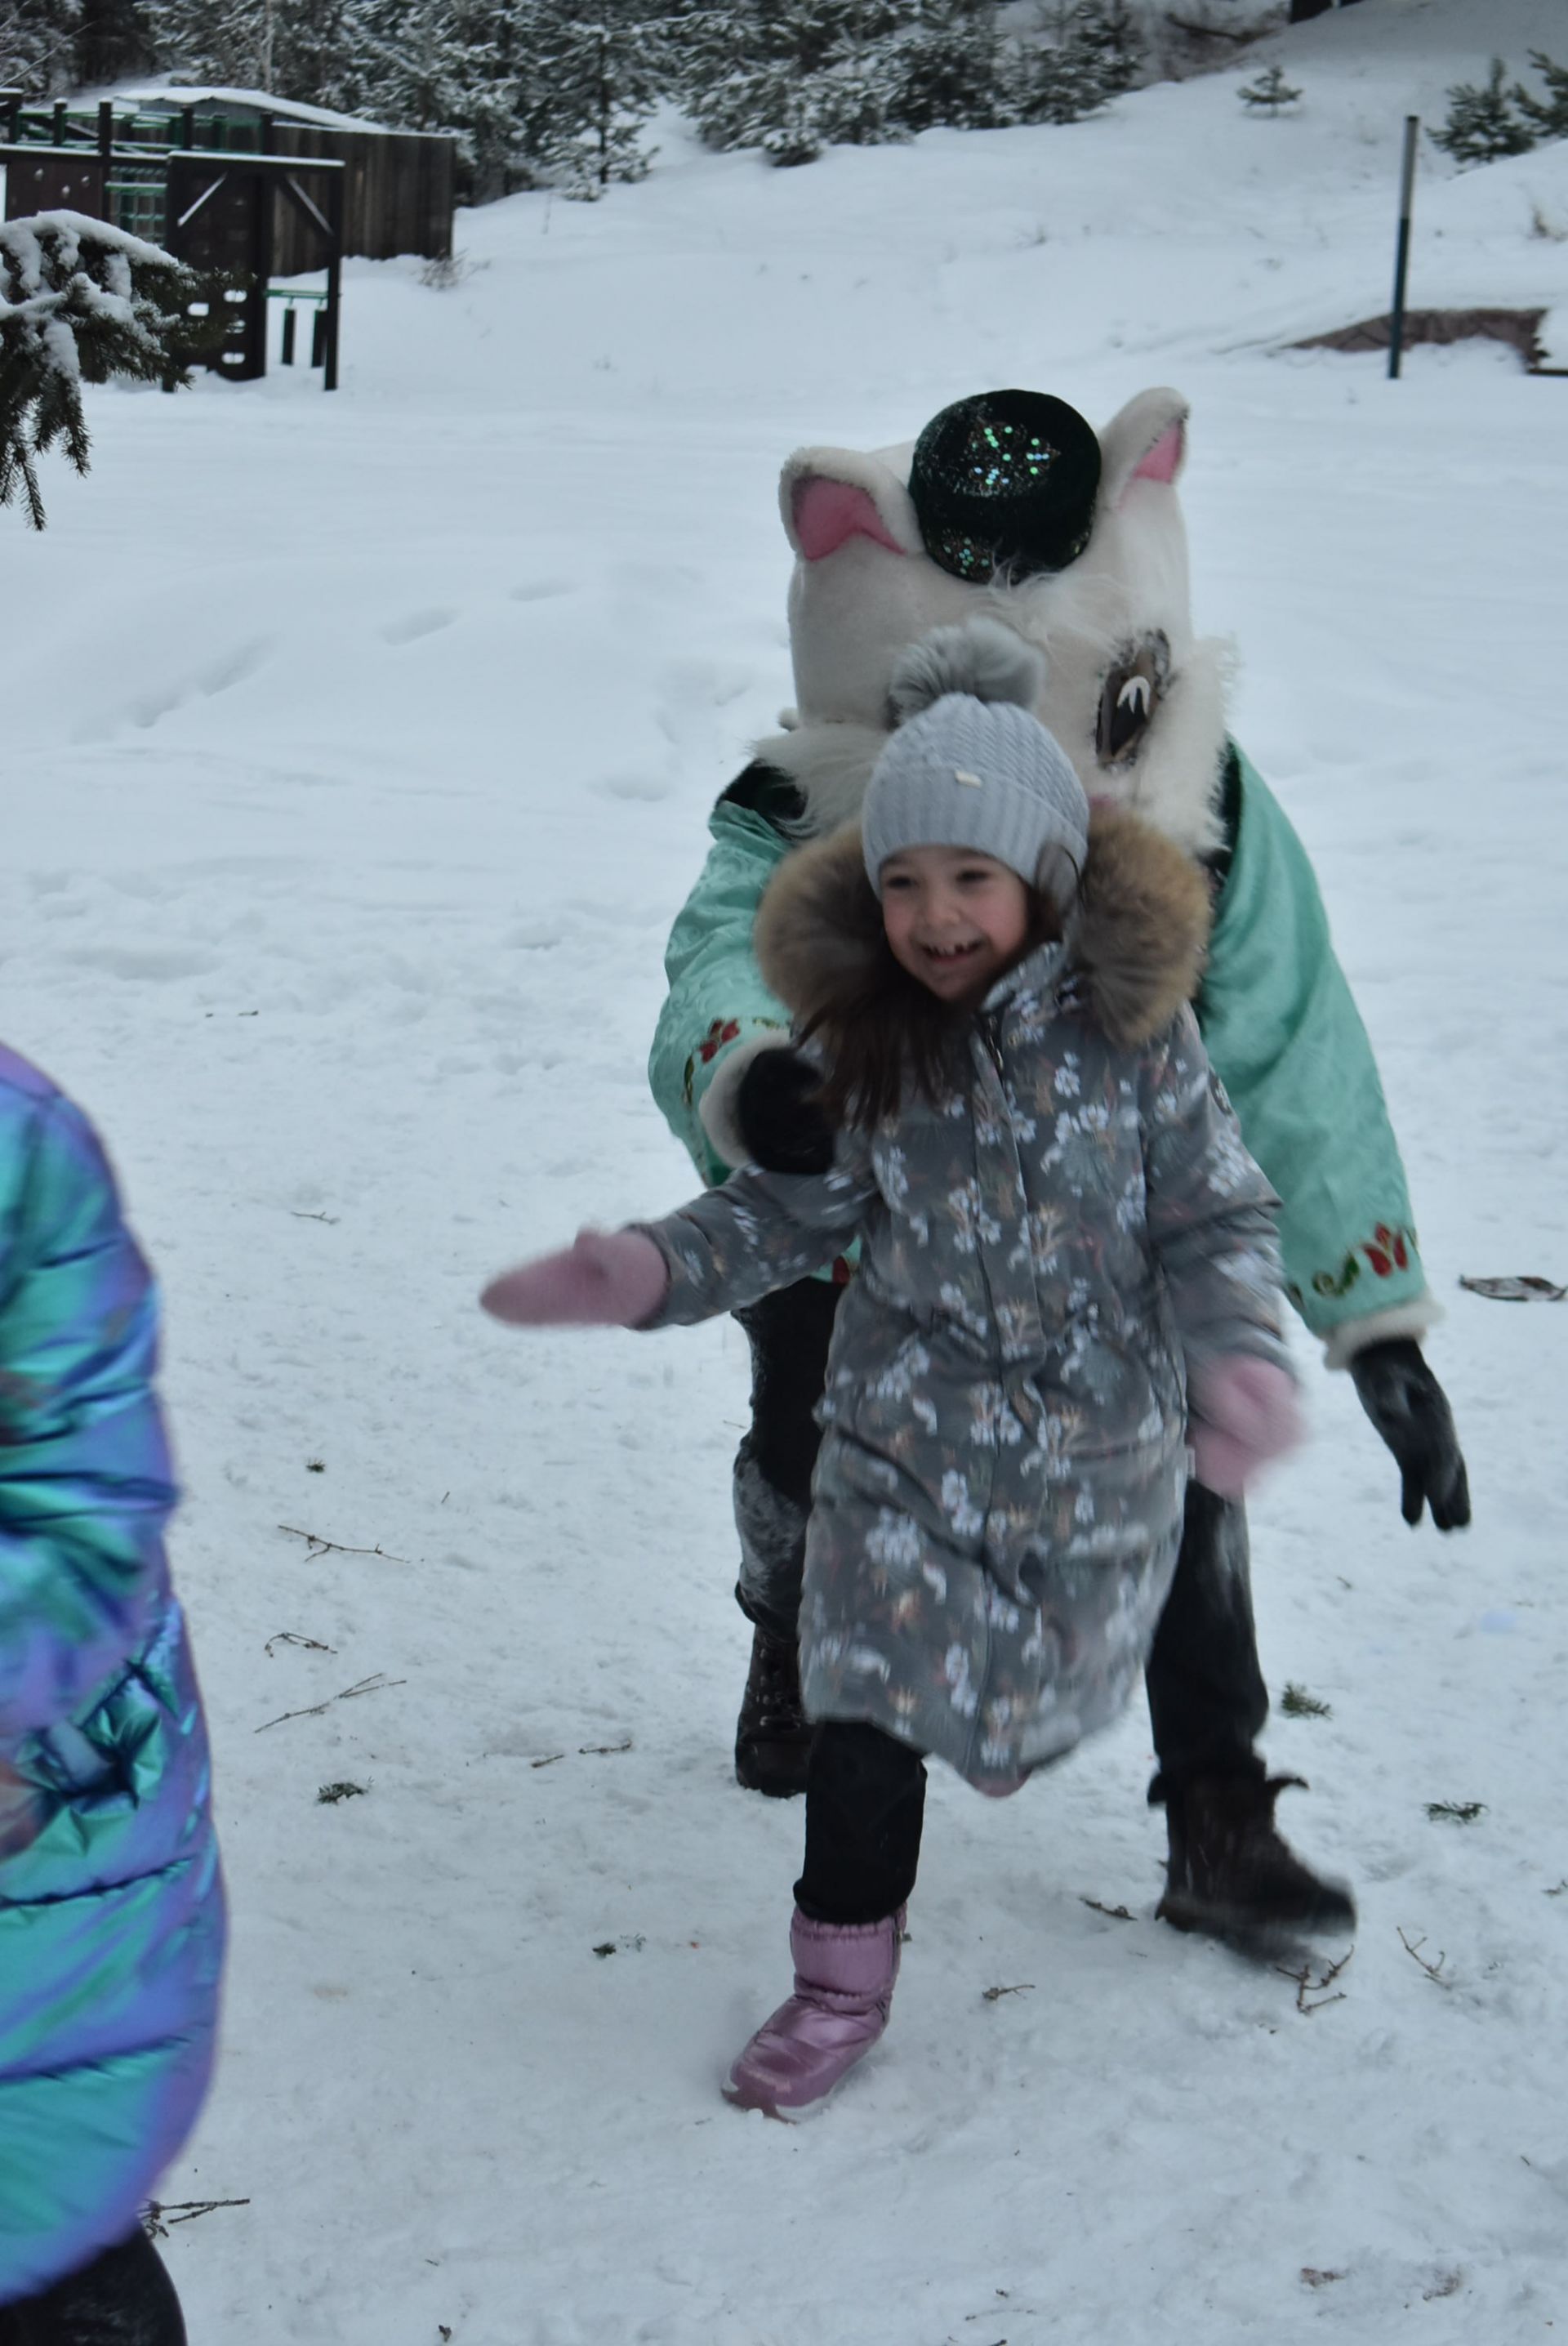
[(1410, 1410), (783, 1129)]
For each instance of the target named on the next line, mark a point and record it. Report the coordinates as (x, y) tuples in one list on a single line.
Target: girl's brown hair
[(887, 1033)]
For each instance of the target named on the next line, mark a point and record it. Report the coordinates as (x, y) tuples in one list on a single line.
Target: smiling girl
[(1068, 1295)]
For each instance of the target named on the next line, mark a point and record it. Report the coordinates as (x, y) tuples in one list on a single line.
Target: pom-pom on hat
[(969, 764), (1006, 483)]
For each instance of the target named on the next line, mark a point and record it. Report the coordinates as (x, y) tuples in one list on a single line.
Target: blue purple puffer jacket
[(111, 1900)]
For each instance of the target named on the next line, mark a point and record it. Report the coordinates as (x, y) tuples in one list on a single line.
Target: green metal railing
[(138, 206), (317, 304)]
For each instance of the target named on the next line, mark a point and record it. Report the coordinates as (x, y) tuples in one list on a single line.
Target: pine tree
[(1548, 115), (852, 104), (778, 113), (1110, 39), (1269, 92), (605, 78), (500, 107), (738, 72), (950, 71), (425, 65), (1480, 127), (38, 45), (82, 303), (536, 93), (112, 40), (756, 104), (231, 43), (318, 54), (796, 77), (1061, 80)]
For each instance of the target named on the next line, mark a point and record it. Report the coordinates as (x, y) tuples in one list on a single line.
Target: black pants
[(1208, 1702), (865, 1805), (124, 2297)]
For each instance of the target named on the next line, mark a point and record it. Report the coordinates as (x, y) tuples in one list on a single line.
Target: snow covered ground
[(360, 750)]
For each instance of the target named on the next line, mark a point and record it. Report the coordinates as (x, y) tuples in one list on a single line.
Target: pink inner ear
[(829, 512), (1162, 461)]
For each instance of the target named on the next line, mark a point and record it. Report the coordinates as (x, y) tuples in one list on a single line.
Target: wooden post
[(1403, 252), (334, 277), (287, 355), (106, 132)]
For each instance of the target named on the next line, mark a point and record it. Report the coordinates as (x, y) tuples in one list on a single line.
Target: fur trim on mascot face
[(1133, 697)]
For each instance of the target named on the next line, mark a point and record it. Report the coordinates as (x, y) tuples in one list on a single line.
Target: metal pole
[(1402, 254)]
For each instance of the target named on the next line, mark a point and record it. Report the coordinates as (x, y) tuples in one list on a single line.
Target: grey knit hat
[(970, 765)]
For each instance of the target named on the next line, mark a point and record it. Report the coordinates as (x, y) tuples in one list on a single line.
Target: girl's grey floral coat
[(998, 1500)]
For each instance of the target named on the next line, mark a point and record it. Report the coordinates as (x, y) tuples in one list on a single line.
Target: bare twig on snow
[(319, 1546), (153, 2214), (1432, 1971), (1307, 1986), (377, 1683)]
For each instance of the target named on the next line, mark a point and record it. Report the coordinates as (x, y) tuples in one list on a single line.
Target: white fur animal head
[(1133, 697)]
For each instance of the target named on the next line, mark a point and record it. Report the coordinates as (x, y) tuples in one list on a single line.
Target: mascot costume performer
[(1009, 502)]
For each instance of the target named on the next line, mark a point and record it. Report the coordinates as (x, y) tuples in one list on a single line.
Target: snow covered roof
[(162, 96)]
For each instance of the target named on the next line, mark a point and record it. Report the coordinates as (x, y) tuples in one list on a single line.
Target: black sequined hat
[(1005, 481)]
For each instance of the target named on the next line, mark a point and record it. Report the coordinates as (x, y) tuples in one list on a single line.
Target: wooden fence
[(397, 193), (398, 186)]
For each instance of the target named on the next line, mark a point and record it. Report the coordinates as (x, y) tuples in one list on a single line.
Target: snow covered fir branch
[(1491, 119), (79, 302)]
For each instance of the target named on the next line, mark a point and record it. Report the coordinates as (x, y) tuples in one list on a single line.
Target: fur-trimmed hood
[(1137, 942)]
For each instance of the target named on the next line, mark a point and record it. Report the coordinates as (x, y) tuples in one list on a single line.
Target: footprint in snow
[(218, 675), (146, 963), (541, 590), (414, 624), (644, 786), (221, 675)]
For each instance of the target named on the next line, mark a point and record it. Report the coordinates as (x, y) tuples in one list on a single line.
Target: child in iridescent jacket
[(1068, 1292), (111, 1901)]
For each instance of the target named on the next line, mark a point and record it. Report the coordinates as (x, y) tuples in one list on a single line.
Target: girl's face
[(953, 919)]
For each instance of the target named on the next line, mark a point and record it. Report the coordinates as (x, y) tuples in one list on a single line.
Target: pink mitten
[(604, 1278), (1244, 1413)]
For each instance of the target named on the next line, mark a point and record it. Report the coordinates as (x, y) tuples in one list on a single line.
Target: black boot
[(1231, 1876), (772, 1737)]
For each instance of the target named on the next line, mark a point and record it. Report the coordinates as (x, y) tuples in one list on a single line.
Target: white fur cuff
[(717, 1106), (1342, 1343)]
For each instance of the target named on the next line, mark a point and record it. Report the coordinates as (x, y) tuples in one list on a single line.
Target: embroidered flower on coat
[(956, 1671), (972, 1221), (959, 1508), (894, 1541)]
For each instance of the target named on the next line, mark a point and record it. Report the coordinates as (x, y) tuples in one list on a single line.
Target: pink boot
[(844, 1976)]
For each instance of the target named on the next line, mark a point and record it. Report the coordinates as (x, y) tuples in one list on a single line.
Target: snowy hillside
[(360, 750)]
